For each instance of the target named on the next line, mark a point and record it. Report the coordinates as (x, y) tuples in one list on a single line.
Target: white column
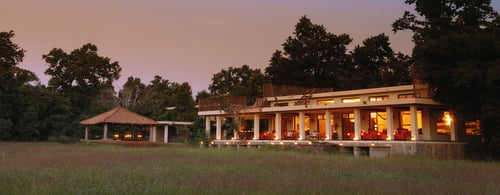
[(277, 125), (207, 127), (105, 136), (86, 132), (390, 123), (150, 134), (302, 126), (453, 132), (218, 133), (414, 122), (357, 124), (154, 133), (165, 134), (256, 126), (328, 118)]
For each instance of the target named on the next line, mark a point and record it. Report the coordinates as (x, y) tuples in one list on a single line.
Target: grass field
[(51, 168)]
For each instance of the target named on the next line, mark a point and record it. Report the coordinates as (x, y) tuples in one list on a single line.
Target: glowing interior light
[(447, 118)]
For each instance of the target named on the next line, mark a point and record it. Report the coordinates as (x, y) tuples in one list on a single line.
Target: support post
[(278, 126), (414, 122), (218, 133), (86, 132), (154, 133), (357, 124), (256, 126), (207, 127), (105, 136), (165, 134), (302, 126), (328, 118), (390, 123)]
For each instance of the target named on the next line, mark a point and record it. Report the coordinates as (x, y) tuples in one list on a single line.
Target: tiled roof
[(119, 115)]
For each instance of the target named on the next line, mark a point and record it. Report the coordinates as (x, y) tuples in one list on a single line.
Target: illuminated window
[(444, 123), (406, 120), (351, 100), (473, 128), (404, 96), (325, 102), (378, 98), (378, 121)]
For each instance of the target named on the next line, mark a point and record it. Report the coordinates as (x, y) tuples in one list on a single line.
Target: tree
[(312, 58), (11, 55), (377, 65), (131, 92), (82, 70), (81, 75), (242, 81), (161, 99), (457, 53)]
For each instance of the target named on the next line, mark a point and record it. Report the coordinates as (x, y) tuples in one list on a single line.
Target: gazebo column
[(152, 134), (390, 122), (218, 132), (414, 122), (357, 124), (256, 126), (328, 118), (165, 134), (86, 132), (277, 125), (207, 127), (302, 131), (105, 136)]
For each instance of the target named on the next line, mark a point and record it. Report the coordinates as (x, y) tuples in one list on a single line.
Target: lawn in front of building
[(89, 168)]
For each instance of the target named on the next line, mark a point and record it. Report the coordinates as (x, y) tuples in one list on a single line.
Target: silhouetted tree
[(377, 65), (242, 81), (313, 57), (457, 53)]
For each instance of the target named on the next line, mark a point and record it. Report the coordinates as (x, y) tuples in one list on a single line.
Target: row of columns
[(328, 117)]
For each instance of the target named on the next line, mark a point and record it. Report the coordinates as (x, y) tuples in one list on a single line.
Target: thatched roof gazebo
[(117, 115)]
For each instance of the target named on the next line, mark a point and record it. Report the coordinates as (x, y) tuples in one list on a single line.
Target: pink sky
[(187, 40)]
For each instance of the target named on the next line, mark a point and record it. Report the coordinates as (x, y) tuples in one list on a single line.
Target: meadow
[(84, 168)]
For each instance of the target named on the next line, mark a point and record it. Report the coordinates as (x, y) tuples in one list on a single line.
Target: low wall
[(444, 150)]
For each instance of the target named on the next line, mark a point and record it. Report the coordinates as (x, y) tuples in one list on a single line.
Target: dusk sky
[(187, 40)]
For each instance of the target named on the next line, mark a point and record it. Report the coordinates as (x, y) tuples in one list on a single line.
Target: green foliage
[(242, 81), (377, 65), (457, 53), (312, 58), (160, 100), (82, 70)]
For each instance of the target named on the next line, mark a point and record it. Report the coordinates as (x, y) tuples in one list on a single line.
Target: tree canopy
[(243, 81), (457, 53), (377, 65), (161, 99), (313, 57), (27, 112), (81, 70)]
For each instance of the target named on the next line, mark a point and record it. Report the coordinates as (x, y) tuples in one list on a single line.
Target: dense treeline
[(80, 87)]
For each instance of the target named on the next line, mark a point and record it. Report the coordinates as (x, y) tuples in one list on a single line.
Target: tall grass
[(50, 168)]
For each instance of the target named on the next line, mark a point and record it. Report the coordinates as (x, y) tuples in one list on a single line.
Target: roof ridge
[(112, 114)]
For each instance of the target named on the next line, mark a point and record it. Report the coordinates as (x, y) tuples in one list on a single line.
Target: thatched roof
[(121, 116)]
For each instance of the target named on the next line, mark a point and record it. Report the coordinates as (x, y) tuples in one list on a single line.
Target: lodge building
[(387, 120)]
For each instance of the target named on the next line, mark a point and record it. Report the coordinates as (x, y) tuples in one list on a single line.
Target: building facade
[(383, 117)]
